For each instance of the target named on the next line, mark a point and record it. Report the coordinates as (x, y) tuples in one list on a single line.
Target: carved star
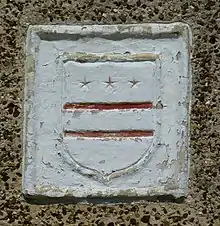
[(134, 82), (110, 82), (85, 82)]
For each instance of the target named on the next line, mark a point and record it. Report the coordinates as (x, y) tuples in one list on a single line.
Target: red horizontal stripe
[(101, 134), (108, 106)]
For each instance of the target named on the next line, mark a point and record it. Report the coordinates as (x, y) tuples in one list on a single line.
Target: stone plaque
[(106, 111)]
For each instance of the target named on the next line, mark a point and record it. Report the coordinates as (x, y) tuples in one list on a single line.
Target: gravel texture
[(202, 206)]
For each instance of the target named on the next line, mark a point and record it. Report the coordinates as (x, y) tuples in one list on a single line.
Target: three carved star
[(110, 82)]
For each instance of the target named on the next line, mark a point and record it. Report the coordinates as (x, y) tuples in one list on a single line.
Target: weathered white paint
[(120, 74), (56, 165)]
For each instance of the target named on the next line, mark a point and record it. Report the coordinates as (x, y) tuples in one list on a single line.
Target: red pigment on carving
[(101, 134), (108, 106)]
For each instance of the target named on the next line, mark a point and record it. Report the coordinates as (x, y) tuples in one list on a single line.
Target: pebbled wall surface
[(202, 206)]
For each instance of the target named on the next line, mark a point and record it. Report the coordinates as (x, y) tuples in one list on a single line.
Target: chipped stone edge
[(148, 30), (28, 168)]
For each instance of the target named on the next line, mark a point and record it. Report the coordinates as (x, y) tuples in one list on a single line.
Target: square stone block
[(106, 112)]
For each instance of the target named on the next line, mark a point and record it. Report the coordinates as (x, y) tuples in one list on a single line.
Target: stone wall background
[(202, 207)]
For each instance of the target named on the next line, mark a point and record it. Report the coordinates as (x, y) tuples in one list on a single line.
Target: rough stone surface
[(107, 110), (202, 205)]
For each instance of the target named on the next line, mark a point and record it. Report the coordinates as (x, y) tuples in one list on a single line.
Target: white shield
[(109, 116)]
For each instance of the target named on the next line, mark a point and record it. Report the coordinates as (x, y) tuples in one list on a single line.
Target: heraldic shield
[(110, 112), (106, 112)]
